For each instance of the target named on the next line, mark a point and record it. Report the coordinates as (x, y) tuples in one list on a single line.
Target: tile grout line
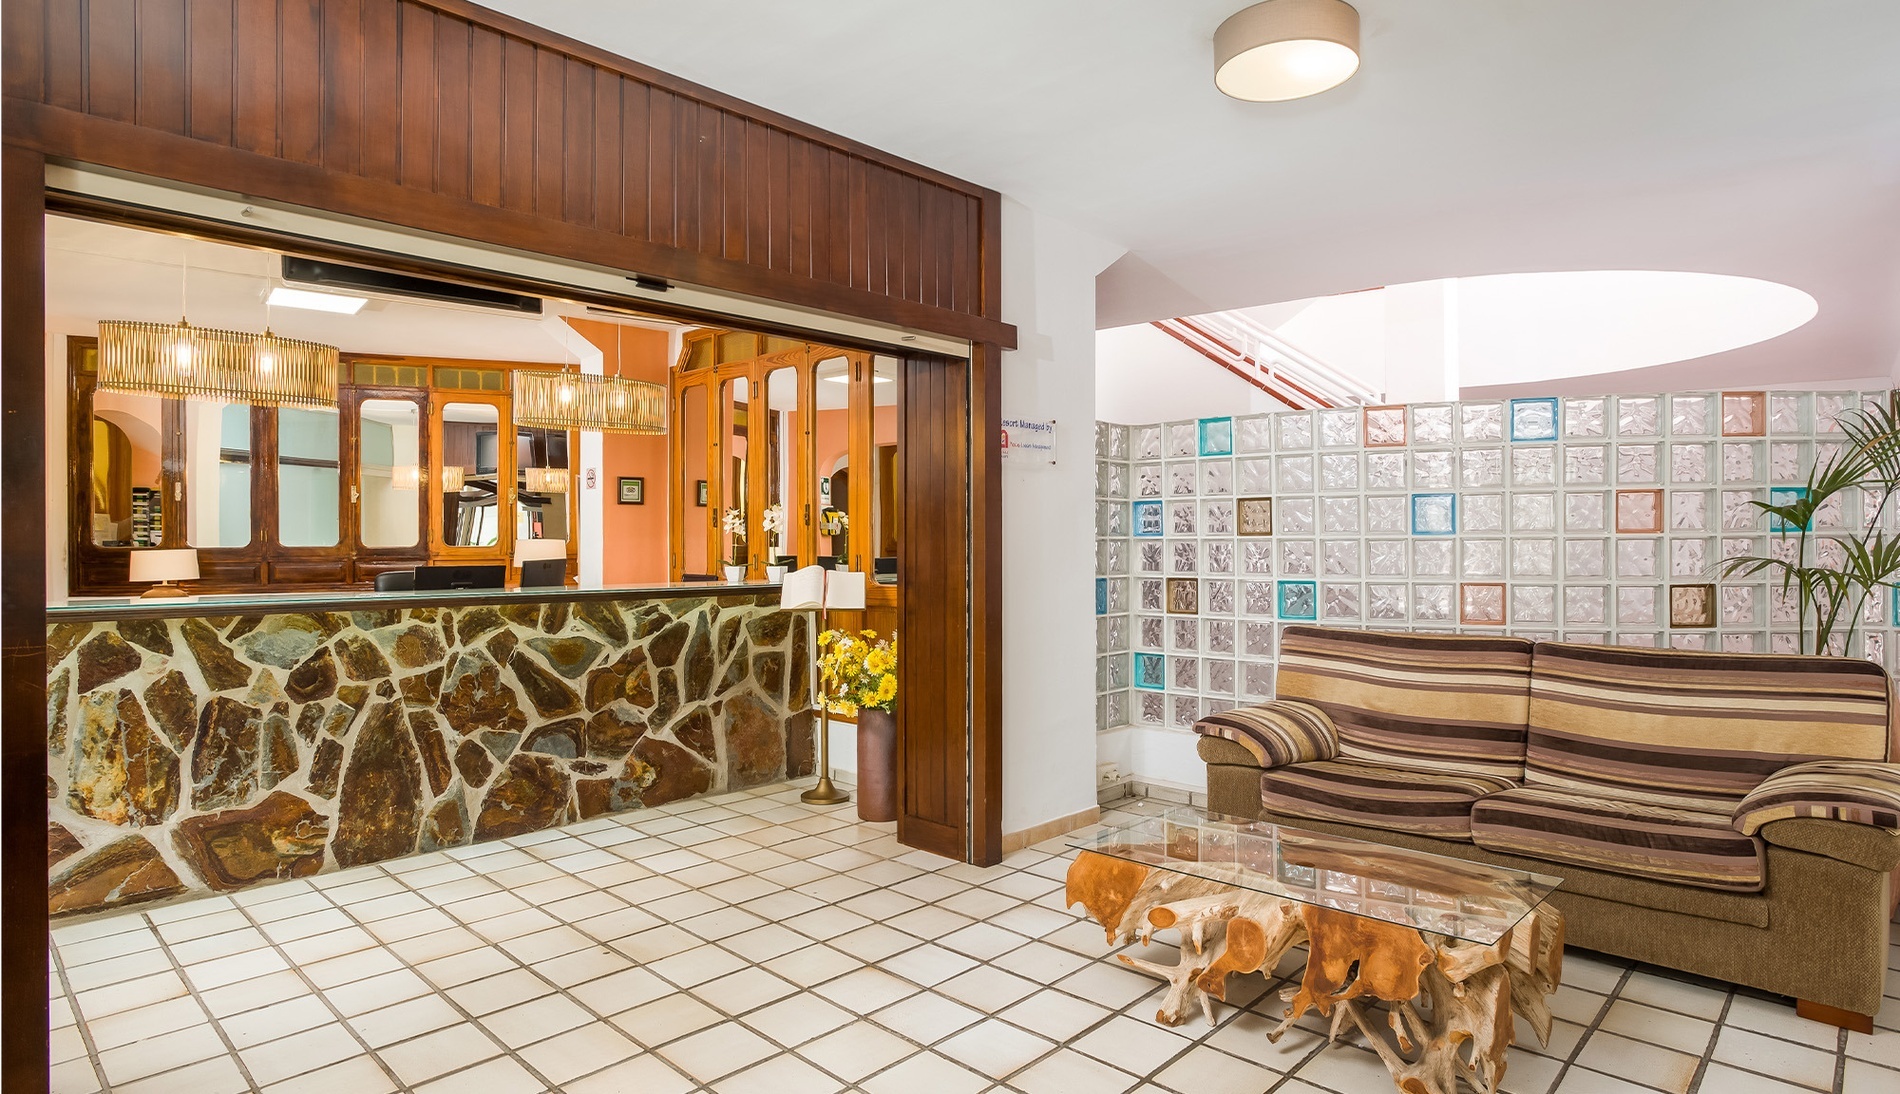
[(191, 989), (297, 968), (1596, 1023), (1708, 1050), (79, 1017)]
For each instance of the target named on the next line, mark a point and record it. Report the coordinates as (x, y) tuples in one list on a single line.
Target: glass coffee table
[(1449, 950)]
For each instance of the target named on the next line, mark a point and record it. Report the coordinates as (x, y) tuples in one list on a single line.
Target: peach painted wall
[(634, 535)]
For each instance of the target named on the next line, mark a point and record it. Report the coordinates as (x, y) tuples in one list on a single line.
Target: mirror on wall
[(735, 424), (882, 544), (389, 472), (309, 478), (831, 497), (543, 483), (784, 431), (469, 478), (217, 473), (697, 556), (127, 470)]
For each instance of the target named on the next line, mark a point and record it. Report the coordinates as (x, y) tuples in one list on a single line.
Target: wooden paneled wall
[(444, 117), (361, 106)]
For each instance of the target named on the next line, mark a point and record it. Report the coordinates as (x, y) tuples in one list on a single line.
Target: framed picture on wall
[(699, 497), (633, 490)]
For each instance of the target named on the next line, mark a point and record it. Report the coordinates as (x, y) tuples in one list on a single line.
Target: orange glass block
[(1385, 427), (1744, 413), (1639, 511), (1481, 603), (1692, 605)]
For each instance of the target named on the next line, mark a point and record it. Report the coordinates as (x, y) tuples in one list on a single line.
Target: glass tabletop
[(1448, 896)]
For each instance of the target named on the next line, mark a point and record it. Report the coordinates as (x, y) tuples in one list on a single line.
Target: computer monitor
[(539, 573), (461, 577)]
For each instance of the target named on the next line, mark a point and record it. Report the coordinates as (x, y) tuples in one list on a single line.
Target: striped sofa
[(1730, 815)]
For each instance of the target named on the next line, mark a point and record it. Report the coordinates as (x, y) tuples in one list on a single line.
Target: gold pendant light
[(567, 400), (187, 362)]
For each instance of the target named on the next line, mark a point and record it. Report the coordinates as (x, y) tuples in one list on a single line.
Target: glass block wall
[(1598, 520)]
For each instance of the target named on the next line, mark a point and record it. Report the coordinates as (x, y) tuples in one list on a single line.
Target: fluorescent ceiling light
[(847, 379), (283, 296), (1286, 49)]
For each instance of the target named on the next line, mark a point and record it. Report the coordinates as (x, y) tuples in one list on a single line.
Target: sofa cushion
[(1449, 703), (1851, 791), (1429, 803), (1275, 733), (1669, 726), (1677, 843)]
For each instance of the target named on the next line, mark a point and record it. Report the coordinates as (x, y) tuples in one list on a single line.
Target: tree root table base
[(1418, 998)]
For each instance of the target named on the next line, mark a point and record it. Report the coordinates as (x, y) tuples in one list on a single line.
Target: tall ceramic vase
[(877, 765)]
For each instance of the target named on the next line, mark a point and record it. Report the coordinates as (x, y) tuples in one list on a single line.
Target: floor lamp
[(818, 590)]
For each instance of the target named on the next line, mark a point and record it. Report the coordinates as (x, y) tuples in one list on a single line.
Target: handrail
[(1342, 388), (1287, 373)]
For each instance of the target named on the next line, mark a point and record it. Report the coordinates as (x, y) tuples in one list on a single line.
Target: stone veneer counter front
[(211, 744)]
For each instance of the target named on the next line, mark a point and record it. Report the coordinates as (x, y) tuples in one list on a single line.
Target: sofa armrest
[(1862, 792), (1220, 750), (1274, 733), (1871, 848)]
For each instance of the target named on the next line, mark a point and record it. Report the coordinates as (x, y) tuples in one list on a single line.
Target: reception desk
[(213, 743)]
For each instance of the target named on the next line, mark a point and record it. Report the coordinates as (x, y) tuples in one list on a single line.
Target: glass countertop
[(1448, 896), (294, 599)]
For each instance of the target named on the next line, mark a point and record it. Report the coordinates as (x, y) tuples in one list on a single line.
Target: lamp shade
[(844, 589), (1286, 49), (172, 564), (534, 550)]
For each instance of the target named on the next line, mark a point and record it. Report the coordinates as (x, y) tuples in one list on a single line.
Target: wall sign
[(1029, 441)]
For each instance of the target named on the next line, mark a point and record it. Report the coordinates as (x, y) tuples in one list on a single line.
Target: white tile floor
[(748, 943)]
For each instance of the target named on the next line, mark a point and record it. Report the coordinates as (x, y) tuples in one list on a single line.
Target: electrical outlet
[(1108, 773)]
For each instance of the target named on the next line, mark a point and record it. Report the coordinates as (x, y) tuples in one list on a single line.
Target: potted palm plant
[(1831, 564)]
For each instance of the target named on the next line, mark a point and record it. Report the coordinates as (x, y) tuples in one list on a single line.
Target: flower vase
[(735, 575), (877, 765)]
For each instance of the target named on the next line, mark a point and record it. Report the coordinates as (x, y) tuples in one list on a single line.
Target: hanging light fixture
[(1286, 49), (545, 480), (567, 400), (187, 362), (574, 400), (453, 478)]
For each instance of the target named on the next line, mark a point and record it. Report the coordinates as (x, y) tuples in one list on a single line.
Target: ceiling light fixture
[(182, 361), (1286, 49), (567, 400), (283, 296)]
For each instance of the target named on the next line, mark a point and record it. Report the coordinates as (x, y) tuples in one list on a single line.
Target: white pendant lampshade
[(1286, 49)]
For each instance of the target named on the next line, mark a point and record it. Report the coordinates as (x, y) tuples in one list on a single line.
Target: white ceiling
[(100, 271), (1752, 137)]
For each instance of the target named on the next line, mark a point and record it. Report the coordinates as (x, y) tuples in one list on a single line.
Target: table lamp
[(166, 567), (817, 589)]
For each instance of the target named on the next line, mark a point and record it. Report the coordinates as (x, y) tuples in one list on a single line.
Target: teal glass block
[(1151, 671), (1785, 495), (1299, 600), (1533, 419), (1217, 436), (1434, 514)]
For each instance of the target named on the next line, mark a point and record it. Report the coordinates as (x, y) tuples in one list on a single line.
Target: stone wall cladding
[(210, 754)]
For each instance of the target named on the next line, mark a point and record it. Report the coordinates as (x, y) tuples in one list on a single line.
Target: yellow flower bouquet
[(857, 671)]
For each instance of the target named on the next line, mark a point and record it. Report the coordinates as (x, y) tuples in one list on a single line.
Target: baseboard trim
[(1016, 841)]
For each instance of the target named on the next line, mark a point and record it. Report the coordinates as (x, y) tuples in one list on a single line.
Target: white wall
[(1142, 375), (1049, 743)]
